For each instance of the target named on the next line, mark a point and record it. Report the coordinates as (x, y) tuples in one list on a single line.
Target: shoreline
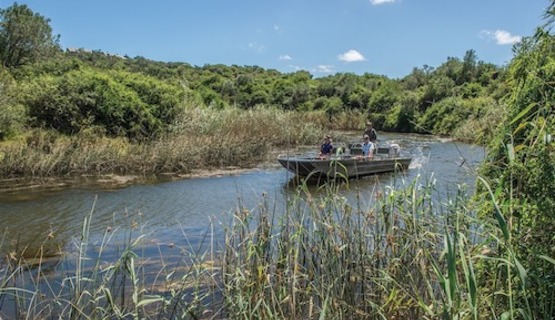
[(110, 181)]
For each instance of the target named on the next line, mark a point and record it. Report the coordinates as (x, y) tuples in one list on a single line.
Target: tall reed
[(392, 253), (403, 256)]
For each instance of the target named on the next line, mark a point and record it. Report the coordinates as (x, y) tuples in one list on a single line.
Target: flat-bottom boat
[(347, 165)]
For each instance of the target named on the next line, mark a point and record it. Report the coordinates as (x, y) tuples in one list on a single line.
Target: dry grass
[(203, 138)]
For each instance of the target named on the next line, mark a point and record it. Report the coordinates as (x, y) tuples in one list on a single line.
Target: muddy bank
[(108, 181)]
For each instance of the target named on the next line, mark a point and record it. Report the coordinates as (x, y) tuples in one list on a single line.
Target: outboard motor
[(394, 150)]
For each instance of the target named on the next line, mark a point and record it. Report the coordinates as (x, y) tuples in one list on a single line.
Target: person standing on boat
[(327, 147), (370, 132), (367, 147)]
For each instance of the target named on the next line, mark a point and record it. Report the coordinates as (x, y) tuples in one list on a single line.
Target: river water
[(171, 211)]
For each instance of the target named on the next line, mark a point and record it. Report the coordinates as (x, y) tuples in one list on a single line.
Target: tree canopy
[(25, 36)]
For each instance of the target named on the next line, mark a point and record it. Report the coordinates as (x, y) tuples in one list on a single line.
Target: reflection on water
[(168, 211)]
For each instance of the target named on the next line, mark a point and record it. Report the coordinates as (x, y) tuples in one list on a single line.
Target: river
[(169, 212)]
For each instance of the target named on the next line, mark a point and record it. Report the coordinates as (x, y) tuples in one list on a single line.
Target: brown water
[(170, 211)]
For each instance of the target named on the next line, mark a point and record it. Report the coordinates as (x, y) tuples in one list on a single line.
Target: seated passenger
[(367, 147), (327, 147)]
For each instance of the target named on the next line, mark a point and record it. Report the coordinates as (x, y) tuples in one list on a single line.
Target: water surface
[(168, 210)]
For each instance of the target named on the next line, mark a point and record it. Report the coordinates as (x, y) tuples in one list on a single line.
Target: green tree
[(451, 69), (417, 78), (439, 87), (384, 97), (402, 117), (330, 105), (468, 72), (25, 36)]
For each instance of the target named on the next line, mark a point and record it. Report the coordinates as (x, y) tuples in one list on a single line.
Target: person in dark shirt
[(327, 147), (371, 132)]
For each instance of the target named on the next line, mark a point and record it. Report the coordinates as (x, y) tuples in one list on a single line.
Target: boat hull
[(342, 166)]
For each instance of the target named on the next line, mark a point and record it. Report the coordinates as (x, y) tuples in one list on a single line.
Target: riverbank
[(19, 185), (108, 181), (202, 140)]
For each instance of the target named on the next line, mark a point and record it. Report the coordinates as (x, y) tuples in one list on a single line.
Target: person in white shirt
[(367, 147)]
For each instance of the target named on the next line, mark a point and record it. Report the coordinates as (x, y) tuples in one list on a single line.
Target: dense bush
[(164, 100), (12, 115), (445, 116), (400, 118), (124, 104), (479, 126)]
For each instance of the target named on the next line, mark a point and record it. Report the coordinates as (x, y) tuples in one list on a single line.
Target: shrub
[(124, 105)]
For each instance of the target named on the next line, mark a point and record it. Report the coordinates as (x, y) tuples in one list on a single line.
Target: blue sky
[(386, 37)]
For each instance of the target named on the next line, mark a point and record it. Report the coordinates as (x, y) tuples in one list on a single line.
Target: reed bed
[(203, 138), (395, 253), (402, 257)]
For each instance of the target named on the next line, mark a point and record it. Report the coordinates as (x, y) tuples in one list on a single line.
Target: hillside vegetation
[(140, 98), (70, 91)]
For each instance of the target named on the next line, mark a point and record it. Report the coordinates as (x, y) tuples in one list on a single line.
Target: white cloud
[(322, 68), (501, 37), (351, 56), (505, 37), (378, 2), (285, 57)]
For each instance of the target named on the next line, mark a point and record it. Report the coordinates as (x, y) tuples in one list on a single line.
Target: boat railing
[(343, 156), (351, 151)]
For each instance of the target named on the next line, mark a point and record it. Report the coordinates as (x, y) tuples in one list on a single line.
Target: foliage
[(162, 99), (12, 115), (124, 104), (383, 97), (521, 167), (446, 116), (141, 99), (396, 255), (110, 277), (54, 67), (478, 128), (438, 88), (25, 36), (400, 118)]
